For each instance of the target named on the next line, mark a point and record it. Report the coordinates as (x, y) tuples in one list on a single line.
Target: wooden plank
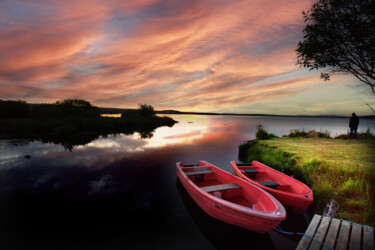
[(332, 233), (243, 164), (221, 187), (199, 171), (355, 237), (270, 184), (342, 241), (305, 241), (250, 171), (320, 233), (368, 238)]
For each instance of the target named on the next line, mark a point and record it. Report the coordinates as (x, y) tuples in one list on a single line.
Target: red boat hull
[(291, 193), (232, 207)]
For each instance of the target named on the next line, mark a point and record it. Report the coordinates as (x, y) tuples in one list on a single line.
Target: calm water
[(121, 192)]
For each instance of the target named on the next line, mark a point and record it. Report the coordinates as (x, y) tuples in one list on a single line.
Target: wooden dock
[(337, 234)]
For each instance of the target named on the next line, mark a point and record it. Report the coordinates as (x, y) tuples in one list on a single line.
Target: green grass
[(337, 169)]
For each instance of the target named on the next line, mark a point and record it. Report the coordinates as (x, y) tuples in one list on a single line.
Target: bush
[(360, 136), (297, 133), (262, 134), (66, 108), (14, 109), (146, 110), (130, 113)]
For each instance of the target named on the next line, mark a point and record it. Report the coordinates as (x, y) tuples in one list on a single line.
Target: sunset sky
[(189, 55)]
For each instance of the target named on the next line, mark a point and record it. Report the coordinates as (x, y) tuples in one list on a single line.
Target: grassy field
[(343, 170)]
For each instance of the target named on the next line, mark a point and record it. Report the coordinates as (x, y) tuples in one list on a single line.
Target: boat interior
[(221, 186), (271, 180)]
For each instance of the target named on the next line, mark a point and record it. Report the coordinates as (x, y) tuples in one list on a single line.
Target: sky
[(221, 56)]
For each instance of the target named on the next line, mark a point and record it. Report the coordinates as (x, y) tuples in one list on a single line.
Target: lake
[(121, 192)]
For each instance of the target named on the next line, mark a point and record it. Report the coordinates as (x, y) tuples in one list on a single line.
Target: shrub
[(14, 109), (297, 133), (74, 102), (130, 113), (361, 136), (146, 110), (66, 108), (262, 134)]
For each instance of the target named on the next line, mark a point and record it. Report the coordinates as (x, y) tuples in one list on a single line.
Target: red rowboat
[(289, 191), (229, 198)]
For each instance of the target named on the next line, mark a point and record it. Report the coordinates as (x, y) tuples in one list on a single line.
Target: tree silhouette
[(146, 110), (340, 36)]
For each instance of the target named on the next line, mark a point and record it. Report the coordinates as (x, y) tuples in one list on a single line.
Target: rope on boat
[(278, 229)]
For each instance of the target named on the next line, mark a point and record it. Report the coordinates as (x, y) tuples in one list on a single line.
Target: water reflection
[(213, 138), (120, 191)]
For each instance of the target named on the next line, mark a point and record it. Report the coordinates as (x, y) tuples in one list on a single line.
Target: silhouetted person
[(353, 125)]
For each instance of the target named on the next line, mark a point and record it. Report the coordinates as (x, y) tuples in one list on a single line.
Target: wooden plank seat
[(270, 184), (199, 171), (221, 187), (250, 171)]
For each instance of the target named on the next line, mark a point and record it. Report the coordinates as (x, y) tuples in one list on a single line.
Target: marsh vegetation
[(335, 168)]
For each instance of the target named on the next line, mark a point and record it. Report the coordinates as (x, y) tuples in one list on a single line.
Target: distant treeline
[(73, 122), (14, 109), (64, 108)]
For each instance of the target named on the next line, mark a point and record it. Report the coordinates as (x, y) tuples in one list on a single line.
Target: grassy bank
[(337, 169), (76, 130)]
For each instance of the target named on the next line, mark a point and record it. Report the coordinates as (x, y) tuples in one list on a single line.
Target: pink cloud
[(172, 54)]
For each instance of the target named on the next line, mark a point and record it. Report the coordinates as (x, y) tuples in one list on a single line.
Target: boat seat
[(199, 171), (270, 184), (221, 187), (250, 171)]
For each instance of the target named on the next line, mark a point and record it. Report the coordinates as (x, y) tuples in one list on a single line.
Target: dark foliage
[(66, 108), (73, 122), (146, 110), (130, 113), (72, 131), (262, 134), (74, 102), (340, 35), (14, 109), (295, 133), (367, 135)]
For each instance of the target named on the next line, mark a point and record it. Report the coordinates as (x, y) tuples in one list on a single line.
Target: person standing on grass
[(353, 125)]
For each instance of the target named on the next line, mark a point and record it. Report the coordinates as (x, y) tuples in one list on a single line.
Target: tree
[(146, 110), (66, 108), (340, 35), (75, 103)]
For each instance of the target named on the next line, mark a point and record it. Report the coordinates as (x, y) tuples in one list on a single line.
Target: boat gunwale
[(272, 215), (296, 195)]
